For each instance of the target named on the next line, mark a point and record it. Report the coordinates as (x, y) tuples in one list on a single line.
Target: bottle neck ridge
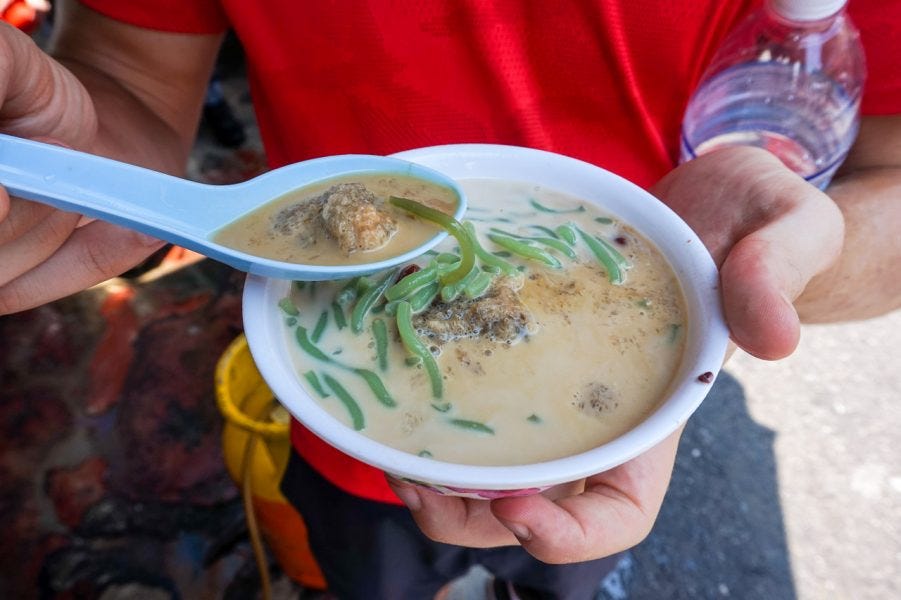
[(806, 10)]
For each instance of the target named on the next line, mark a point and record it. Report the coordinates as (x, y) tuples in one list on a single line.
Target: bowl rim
[(706, 341)]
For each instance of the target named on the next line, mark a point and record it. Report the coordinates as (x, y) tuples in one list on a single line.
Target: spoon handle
[(155, 203)]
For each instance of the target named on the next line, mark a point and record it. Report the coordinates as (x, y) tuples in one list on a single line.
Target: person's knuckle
[(12, 300), (96, 259), (557, 553), (432, 530), (639, 531), (55, 230), (103, 259)]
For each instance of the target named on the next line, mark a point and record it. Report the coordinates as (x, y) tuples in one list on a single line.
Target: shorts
[(374, 551)]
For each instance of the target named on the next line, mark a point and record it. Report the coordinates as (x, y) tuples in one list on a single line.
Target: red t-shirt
[(605, 81)]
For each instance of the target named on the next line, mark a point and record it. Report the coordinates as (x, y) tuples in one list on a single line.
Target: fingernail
[(521, 532), (409, 496)]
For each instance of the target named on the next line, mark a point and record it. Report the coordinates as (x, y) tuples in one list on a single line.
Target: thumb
[(767, 269)]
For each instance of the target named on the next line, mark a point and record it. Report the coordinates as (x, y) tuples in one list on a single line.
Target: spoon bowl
[(189, 213)]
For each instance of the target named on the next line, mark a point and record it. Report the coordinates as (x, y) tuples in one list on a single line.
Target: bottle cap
[(807, 10)]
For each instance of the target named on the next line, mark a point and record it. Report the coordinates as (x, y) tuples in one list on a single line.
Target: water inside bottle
[(806, 119)]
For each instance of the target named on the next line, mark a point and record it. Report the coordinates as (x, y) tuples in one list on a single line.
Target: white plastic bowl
[(706, 333)]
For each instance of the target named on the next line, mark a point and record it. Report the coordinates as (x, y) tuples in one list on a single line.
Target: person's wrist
[(811, 303)]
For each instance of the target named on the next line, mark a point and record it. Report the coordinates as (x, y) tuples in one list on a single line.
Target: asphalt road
[(788, 479)]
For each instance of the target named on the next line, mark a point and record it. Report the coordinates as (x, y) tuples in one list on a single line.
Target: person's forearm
[(127, 129), (147, 87), (866, 280)]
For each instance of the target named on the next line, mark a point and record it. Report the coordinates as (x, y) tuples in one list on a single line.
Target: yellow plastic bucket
[(253, 416)]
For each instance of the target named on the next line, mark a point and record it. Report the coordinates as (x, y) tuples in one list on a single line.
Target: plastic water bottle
[(788, 79)]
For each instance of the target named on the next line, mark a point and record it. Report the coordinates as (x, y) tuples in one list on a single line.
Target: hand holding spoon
[(189, 213)]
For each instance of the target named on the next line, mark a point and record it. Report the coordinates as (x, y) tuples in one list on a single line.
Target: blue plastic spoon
[(188, 213)]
